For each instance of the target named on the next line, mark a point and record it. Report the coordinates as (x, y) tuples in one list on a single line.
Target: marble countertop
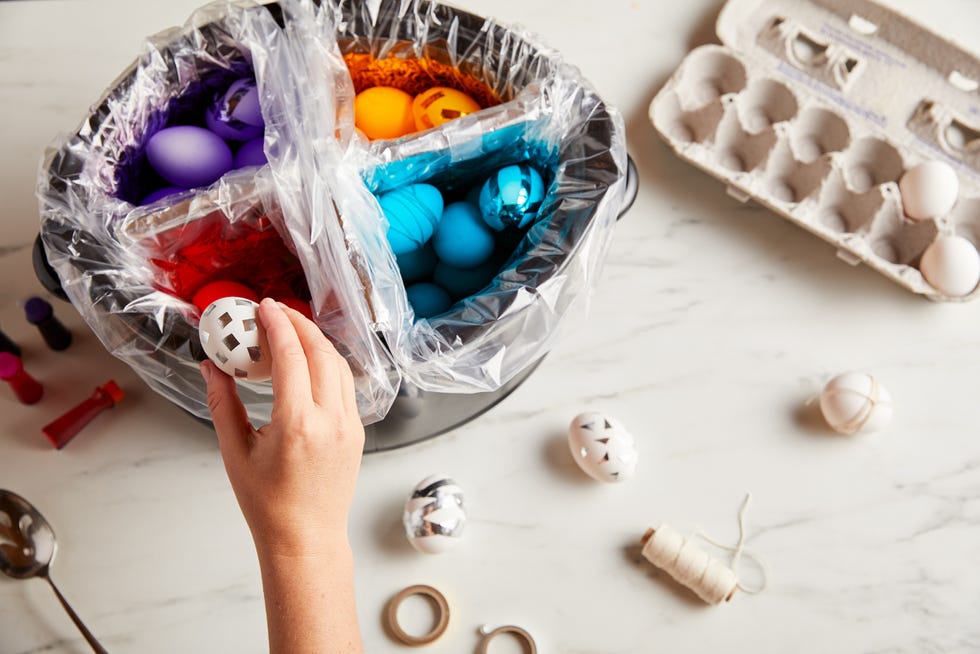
[(712, 325)]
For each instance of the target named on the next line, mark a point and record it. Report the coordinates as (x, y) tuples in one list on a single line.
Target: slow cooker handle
[(632, 186), (44, 272)]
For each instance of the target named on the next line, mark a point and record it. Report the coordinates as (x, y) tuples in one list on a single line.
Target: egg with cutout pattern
[(439, 105), (234, 340)]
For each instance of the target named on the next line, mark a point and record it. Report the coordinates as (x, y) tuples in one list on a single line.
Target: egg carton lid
[(895, 63), (881, 70)]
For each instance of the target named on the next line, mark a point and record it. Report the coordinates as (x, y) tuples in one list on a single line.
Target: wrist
[(312, 546)]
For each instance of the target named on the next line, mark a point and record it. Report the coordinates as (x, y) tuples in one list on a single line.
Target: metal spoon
[(27, 547)]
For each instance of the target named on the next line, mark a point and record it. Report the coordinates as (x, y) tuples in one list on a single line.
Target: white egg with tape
[(602, 447), (233, 339), (855, 402)]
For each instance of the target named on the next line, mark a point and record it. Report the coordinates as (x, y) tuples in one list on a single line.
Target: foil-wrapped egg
[(434, 515), (602, 447), (511, 197)]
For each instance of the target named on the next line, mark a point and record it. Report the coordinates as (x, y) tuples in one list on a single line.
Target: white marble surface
[(712, 324)]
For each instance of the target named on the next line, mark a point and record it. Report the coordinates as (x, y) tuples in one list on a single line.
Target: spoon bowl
[(27, 548), (30, 543)]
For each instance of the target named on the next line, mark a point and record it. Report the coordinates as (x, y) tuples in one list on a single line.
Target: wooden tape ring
[(442, 615), (509, 629)]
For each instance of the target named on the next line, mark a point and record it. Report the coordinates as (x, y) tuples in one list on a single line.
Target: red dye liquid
[(249, 252)]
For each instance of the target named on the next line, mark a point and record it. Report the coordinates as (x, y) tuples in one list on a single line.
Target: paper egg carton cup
[(816, 108)]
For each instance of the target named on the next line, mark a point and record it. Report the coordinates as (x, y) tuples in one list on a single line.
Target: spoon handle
[(78, 621)]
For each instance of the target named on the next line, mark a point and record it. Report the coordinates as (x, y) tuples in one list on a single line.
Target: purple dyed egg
[(188, 156), (236, 115), (161, 193), (252, 153)]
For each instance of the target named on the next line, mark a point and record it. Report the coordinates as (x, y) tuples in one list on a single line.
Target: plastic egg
[(234, 341), (413, 212), (428, 300), (251, 153), (929, 190), (212, 291), (383, 112), (463, 282), (435, 515), (417, 264), (951, 265), (439, 105), (512, 196), (462, 238), (188, 156), (235, 114), (855, 402), (602, 447)]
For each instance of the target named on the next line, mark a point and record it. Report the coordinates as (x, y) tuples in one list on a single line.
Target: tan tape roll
[(442, 615), (509, 629)]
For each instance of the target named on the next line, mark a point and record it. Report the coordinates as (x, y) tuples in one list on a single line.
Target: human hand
[(294, 478)]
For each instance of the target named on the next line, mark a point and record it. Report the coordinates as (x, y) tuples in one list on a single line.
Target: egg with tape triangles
[(602, 447)]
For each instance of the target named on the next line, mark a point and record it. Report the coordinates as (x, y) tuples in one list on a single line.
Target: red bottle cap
[(62, 430), (27, 389)]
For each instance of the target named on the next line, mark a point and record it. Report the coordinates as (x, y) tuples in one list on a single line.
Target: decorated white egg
[(233, 340), (434, 515), (855, 402), (602, 447)]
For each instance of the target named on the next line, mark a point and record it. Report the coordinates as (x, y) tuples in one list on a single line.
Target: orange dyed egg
[(383, 112), (439, 105)]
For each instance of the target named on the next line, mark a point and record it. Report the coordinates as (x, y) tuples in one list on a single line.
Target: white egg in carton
[(817, 108)]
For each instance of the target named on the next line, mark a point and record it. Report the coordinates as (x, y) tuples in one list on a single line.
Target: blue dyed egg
[(413, 213), (417, 264), (235, 114), (462, 239), (188, 156), (512, 196), (428, 300), (462, 282), (252, 153)]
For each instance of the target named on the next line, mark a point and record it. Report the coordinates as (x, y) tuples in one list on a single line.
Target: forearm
[(309, 601)]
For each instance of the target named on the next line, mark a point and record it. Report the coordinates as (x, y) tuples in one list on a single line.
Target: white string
[(739, 549)]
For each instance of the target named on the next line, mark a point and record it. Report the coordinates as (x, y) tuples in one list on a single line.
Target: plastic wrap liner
[(312, 213), (550, 116), (129, 270)]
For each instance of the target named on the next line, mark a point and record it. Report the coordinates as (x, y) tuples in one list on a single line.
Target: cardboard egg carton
[(816, 108)]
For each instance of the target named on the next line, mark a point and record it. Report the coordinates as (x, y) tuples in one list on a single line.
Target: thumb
[(227, 412)]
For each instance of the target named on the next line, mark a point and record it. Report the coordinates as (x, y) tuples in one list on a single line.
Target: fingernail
[(206, 371), (282, 306)]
